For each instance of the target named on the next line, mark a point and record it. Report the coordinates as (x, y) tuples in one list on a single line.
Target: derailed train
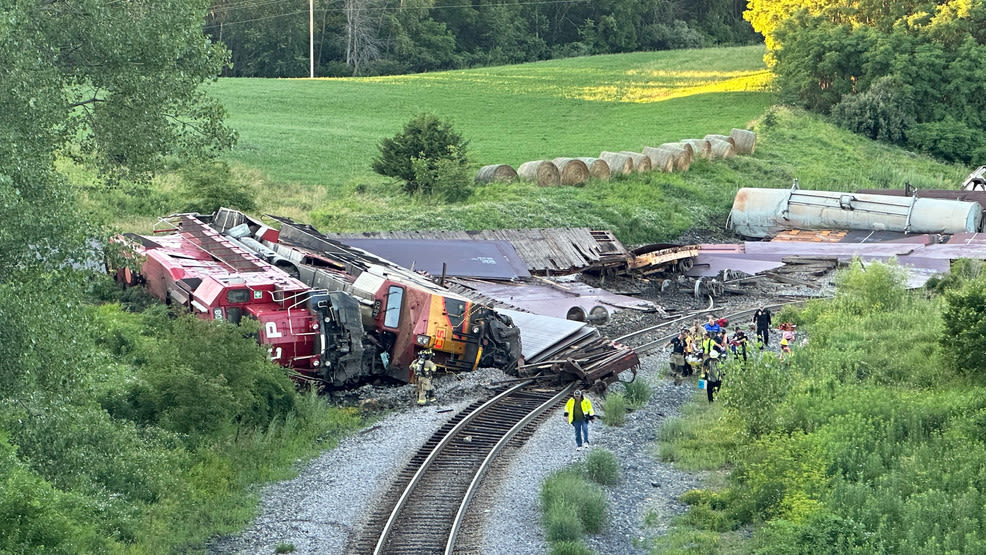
[(337, 315)]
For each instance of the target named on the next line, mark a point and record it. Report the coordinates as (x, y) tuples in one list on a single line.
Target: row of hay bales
[(667, 158)]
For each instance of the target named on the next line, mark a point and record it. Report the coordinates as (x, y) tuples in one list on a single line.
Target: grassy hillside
[(306, 145), (312, 143), (325, 132)]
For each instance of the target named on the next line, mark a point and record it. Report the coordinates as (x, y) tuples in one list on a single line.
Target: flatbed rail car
[(366, 318)]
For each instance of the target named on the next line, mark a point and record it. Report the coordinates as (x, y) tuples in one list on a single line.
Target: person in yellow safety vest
[(424, 369), (578, 411)]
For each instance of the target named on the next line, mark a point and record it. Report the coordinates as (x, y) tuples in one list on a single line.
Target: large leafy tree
[(114, 84), (927, 59)]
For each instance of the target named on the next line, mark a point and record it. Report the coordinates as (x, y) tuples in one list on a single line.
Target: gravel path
[(319, 510)]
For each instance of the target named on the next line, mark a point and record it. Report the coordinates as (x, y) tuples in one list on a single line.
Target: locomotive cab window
[(392, 316), (238, 295), (455, 307)]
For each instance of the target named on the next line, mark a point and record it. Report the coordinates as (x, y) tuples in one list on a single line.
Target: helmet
[(428, 353)]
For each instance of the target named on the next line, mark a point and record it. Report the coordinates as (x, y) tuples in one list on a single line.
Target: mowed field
[(326, 131)]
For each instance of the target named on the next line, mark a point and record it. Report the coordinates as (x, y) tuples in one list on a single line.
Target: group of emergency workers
[(700, 349)]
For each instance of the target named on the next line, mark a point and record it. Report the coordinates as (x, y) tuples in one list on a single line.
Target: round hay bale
[(700, 147), (598, 168), (721, 138), (573, 171), (722, 149), (641, 163), (684, 160), (745, 141), (620, 164), (661, 158), (542, 172), (496, 173)]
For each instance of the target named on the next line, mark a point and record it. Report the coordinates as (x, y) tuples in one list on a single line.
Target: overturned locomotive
[(337, 315)]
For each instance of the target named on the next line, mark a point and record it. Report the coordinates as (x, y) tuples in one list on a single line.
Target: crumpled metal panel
[(540, 333), (556, 299)]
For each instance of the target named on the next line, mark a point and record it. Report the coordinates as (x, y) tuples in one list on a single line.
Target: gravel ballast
[(318, 511)]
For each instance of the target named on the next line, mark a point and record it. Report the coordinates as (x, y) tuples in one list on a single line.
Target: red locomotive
[(337, 315)]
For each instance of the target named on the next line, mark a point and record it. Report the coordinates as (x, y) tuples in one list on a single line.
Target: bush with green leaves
[(562, 523), (755, 392), (208, 186), (203, 378), (637, 393), (883, 112), (571, 547), (963, 339), (602, 467), (566, 494), (615, 407), (37, 517), (429, 156)]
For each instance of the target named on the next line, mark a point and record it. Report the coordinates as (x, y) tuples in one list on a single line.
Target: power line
[(258, 3)]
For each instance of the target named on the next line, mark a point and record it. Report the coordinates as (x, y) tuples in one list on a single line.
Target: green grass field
[(306, 146), (326, 131)]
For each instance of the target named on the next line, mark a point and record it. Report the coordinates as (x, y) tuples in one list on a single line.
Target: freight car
[(337, 315)]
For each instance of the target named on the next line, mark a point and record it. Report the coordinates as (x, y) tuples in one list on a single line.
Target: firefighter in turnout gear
[(424, 369)]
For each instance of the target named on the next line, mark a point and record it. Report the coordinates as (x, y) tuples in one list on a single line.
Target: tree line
[(377, 37), (911, 73)]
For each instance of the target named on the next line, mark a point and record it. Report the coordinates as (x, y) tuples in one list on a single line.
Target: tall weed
[(637, 393), (602, 467), (615, 407)]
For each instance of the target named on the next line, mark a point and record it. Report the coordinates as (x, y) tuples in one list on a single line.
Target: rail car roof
[(457, 257), (543, 335), (544, 251)]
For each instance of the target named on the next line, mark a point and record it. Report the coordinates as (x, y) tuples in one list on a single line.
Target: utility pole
[(311, 37)]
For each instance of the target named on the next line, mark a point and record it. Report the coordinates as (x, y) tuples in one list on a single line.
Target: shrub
[(210, 185), (426, 146), (615, 406), (562, 523), (883, 112), (36, 517), (446, 178), (202, 378), (637, 393), (948, 139), (602, 467), (865, 289), (755, 393), (576, 496), (964, 315)]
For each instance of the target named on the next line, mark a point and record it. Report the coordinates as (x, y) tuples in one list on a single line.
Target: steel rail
[(388, 527), (494, 452)]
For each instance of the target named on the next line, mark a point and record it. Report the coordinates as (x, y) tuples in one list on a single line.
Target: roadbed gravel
[(324, 506)]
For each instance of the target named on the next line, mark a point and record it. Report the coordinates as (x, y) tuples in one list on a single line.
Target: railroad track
[(424, 509), (427, 502)]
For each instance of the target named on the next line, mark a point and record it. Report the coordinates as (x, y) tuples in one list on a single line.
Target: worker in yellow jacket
[(578, 411)]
